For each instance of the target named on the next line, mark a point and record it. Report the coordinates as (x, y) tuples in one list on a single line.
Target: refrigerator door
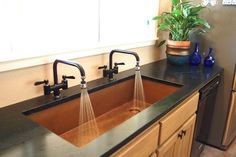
[(230, 131)]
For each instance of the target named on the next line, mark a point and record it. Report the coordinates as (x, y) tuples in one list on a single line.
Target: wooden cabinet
[(154, 154), (187, 136), (179, 144), (177, 128), (176, 118), (175, 138), (144, 145), (168, 149)]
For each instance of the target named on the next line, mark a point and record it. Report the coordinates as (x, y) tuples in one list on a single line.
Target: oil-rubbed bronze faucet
[(109, 72), (64, 84)]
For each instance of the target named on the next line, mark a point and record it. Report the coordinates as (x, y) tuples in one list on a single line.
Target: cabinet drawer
[(179, 144), (173, 121), (142, 146)]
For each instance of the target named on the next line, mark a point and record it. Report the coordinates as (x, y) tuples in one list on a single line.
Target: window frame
[(36, 61)]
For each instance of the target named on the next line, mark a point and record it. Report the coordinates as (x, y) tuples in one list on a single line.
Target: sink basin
[(111, 107)]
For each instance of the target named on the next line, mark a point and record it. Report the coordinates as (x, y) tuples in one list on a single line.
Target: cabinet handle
[(183, 132), (180, 135)]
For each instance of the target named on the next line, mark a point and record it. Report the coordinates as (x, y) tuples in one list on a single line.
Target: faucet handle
[(46, 87), (103, 67), (64, 81), (116, 67), (116, 64), (64, 77), (41, 82), (105, 71)]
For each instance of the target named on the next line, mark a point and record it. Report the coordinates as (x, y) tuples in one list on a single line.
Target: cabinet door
[(168, 149), (176, 119), (144, 145), (179, 144), (187, 137), (154, 154)]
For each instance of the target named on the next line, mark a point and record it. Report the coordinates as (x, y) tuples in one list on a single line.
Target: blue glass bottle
[(195, 58), (209, 60)]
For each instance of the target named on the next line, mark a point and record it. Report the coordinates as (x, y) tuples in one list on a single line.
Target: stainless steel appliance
[(222, 39), (204, 115)]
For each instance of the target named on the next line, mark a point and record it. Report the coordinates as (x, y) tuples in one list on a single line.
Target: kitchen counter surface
[(22, 137)]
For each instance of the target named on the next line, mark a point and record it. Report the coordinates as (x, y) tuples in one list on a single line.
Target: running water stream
[(88, 129), (139, 96)]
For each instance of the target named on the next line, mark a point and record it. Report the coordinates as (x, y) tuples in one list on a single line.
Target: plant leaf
[(186, 3), (161, 43), (186, 12), (200, 22), (176, 12), (163, 26), (158, 17), (183, 20), (195, 10), (175, 2)]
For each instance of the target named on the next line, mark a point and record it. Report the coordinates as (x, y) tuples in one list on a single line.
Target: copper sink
[(111, 107)]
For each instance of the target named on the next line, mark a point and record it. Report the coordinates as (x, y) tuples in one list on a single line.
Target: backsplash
[(18, 85)]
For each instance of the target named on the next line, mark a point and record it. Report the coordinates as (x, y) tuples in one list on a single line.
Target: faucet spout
[(57, 86), (124, 52), (55, 73), (115, 69), (48, 89)]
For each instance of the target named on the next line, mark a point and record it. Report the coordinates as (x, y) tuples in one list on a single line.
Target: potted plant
[(181, 23)]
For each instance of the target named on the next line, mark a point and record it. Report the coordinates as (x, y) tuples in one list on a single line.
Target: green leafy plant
[(182, 21)]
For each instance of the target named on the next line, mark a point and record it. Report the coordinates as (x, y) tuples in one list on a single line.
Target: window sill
[(29, 62)]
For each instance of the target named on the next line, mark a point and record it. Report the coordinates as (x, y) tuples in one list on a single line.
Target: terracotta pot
[(178, 44), (178, 51)]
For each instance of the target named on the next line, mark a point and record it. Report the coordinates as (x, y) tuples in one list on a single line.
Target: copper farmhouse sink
[(111, 107)]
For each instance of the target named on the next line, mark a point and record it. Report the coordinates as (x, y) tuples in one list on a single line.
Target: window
[(40, 27), (34, 28), (123, 21)]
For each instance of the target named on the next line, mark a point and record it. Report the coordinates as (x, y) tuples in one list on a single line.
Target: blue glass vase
[(195, 58), (209, 60)]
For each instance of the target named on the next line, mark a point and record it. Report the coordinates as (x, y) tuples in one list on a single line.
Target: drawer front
[(179, 144), (142, 146), (173, 121)]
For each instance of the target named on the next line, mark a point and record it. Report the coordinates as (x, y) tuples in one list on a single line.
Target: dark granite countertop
[(21, 137)]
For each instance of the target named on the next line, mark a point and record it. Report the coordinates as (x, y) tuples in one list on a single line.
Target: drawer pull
[(180, 135), (184, 132)]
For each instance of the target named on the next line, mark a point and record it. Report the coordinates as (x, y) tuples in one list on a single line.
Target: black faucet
[(109, 72), (64, 84)]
